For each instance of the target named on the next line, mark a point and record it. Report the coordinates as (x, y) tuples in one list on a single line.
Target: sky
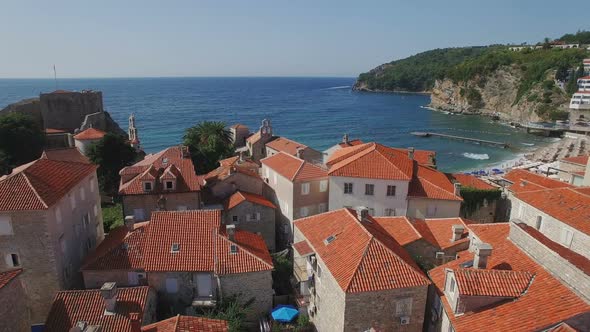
[(129, 38)]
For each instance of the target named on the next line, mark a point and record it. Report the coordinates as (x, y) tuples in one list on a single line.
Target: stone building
[(84, 139), (188, 324), (162, 181), (494, 285), (189, 258), (572, 170), (256, 143), (485, 212), (252, 213), (50, 218), (14, 314), (233, 174), (298, 189), (301, 151), (109, 308), (239, 134), (391, 182), (353, 275)]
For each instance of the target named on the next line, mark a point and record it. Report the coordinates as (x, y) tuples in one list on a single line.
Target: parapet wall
[(67, 110)]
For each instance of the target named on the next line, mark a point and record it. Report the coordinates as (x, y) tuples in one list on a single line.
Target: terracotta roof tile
[(400, 228), (430, 183), (302, 248), (512, 315), (423, 157), (439, 232), (293, 168), (471, 181), (282, 144), (503, 283), (230, 165), (564, 204), (90, 134), (374, 161), (152, 167), (40, 184), (350, 143), (580, 160), (363, 256), (54, 131), (239, 125), (241, 196), (120, 250), (254, 138), (70, 307), (188, 324), (66, 154), (7, 276), (523, 180)]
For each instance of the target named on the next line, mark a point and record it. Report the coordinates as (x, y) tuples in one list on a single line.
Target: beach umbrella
[(284, 313)]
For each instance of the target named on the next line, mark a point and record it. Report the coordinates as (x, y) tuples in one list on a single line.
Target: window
[(390, 190), (92, 184), (258, 216), (233, 249), (169, 185), (452, 286), (403, 307), (82, 194), (175, 248), (5, 226), (371, 211), (348, 188), (369, 189), (267, 172), (147, 186), (181, 208), (305, 188), (95, 210), (234, 218), (304, 211), (138, 214), (12, 260), (86, 220), (566, 237), (323, 186), (171, 285), (322, 207), (73, 200), (390, 212), (431, 211), (539, 222), (132, 278)]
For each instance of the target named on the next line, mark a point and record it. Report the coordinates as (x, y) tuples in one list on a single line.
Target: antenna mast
[(55, 77)]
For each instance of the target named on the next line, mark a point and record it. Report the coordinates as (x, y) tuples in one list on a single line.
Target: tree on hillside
[(4, 163), (572, 84), (21, 140), (111, 154), (208, 142), (546, 43)]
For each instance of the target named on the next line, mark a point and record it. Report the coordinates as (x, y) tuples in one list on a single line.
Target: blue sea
[(313, 111)]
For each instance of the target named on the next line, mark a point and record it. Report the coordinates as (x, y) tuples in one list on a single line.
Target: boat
[(420, 134)]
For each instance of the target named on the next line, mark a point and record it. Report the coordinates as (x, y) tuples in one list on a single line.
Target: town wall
[(257, 285), (14, 314), (67, 110)]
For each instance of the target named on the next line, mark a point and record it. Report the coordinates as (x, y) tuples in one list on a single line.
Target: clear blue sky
[(128, 38)]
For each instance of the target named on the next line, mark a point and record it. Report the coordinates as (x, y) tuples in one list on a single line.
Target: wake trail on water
[(337, 87), (476, 156)]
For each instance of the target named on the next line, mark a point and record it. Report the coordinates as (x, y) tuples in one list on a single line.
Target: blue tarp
[(284, 313)]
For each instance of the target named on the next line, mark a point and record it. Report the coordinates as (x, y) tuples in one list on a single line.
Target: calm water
[(313, 111)]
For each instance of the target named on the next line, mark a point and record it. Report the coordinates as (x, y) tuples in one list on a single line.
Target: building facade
[(252, 213), (14, 314)]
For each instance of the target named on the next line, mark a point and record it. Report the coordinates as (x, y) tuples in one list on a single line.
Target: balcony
[(301, 272), (204, 302)]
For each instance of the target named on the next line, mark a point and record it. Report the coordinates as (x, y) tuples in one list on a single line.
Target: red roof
[(400, 228), (350, 143), (254, 137), (423, 157), (7, 276), (580, 160), (439, 232), (564, 204), (584, 77), (527, 181), (293, 168), (471, 181), (65, 154), (54, 131), (503, 283), (90, 134), (201, 245), (285, 145), (70, 307), (120, 250), (40, 184), (303, 248), (153, 166), (372, 161), (239, 125), (545, 294), (230, 165), (188, 324), (241, 196), (363, 256), (430, 183)]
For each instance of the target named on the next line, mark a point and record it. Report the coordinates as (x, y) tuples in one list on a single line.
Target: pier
[(465, 139)]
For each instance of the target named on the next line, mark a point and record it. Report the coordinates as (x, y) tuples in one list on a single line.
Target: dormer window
[(169, 185), (147, 186), (175, 248), (329, 239), (233, 249)]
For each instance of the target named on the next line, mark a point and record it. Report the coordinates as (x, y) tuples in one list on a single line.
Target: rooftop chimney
[(482, 252), (300, 152), (411, 153), (108, 291), (362, 213), (345, 139), (457, 232), (184, 152), (129, 222), (231, 232), (457, 188), (82, 326), (135, 322)]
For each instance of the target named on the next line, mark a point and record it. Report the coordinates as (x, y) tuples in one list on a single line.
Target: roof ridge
[(437, 186), (33, 189), (298, 169), (246, 250), (176, 322), (362, 258)]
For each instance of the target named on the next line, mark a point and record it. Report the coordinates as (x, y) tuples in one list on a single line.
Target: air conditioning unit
[(440, 255), (404, 320)]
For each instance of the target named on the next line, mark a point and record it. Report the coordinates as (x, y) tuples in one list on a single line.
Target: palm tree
[(546, 43), (208, 142)]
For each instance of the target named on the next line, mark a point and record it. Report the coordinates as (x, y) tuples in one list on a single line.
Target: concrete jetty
[(460, 138)]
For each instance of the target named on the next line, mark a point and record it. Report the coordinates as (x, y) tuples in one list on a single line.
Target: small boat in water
[(420, 134)]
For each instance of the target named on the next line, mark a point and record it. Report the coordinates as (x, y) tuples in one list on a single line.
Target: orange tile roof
[(564, 204), (120, 250), (201, 245), (363, 257), (252, 139), (423, 157), (302, 248), (230, 165), (239, 125), (40, 184), (527, 181), (54, 131), (188, 324), (70, 307), (545, 294), (400, 228), (7, 276), (90, 134), (241, 196), (374, 161), (65, 154), (439, 232), (351, 143), (152, 167), (580, 160), (285, 145), (503, 283), (293, 168), (430, 183), (471, 181)]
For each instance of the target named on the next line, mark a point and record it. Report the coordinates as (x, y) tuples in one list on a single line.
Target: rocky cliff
[(497, 93)]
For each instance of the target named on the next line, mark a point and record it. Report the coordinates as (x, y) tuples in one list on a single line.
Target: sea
[(311, 110)]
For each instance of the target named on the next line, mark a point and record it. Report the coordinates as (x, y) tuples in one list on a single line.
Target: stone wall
[(419, 207), (30, 107), (484, 213), (149, 203), (424, 252), (567, 273), (257, 285), (95, 279), (175, 301), (265, 226), (237, 181), (67, 110), (14, 314)]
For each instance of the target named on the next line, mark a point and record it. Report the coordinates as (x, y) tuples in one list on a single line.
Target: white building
[(86, 138), (584, 83), (586, 63)]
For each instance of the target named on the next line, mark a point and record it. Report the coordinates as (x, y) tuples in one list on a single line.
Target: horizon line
[(128, 77)]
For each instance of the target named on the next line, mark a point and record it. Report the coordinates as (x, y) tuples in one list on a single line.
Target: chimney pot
[(482, 252), (135, 322), (108, 291), (345, 139), (457, 232), (231, 232), (129, 222), (411, 153), (300, 152), (457, 186), (362, 213)]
